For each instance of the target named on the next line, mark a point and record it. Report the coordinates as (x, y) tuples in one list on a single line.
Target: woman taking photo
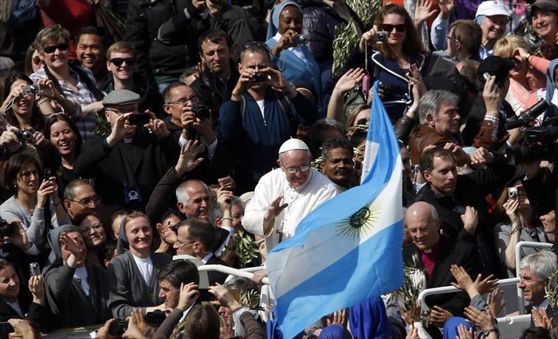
[(35, 198), (520, 224), (396, 46), (63, 134), (134, 274), (76, 84), (289, 54)]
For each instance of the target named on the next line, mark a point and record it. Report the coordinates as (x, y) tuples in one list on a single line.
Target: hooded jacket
[(69, 304)]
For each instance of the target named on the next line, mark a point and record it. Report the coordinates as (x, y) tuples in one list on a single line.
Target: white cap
[(492, 7), (293, 144)]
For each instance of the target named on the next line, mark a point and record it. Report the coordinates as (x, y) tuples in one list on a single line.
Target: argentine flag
[(349, 249)]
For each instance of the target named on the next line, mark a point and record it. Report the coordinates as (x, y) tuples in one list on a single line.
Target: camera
[(381, 36), (299, 39), (118, 327), (201, 112), (528, 115), (512, 193), (34, 268), (25, 135), (138, 119), (31, 90), (260, 76), (155, 318), (8, 229)]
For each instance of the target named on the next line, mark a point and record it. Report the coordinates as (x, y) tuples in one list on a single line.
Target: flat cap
[(293, 144), (545, 5), (120, 97), (497, 66)]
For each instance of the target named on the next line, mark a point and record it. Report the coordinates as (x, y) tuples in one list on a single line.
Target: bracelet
[(485, 333)]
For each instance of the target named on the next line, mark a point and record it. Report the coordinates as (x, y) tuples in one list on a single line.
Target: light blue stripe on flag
[(349, 248)]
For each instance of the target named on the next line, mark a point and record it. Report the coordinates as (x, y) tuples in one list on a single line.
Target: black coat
[(147, 157), (459, 253)]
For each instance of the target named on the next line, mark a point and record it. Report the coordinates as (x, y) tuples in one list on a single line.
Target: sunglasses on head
[(120, 61), (389, 28), (61, 47)]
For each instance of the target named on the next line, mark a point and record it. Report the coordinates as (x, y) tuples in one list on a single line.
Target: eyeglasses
[(255, 44), (119, 61), (88, 201), (184, 101), (399, 28), (61, 47), (293, 170), (453, 39), (181, 243)]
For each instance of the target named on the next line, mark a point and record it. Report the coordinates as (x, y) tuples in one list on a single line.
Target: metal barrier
[(232, 271), (510, 327), (450, 289), (520, 245)]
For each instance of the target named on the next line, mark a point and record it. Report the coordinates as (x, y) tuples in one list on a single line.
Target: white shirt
[(81, 275), (300, 203), (145, 267)]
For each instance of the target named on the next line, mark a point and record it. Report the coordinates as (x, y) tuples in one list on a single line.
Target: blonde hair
[(55, 33), (505, 46)]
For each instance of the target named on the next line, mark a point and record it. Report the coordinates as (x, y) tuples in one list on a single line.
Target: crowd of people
[(204, 131)]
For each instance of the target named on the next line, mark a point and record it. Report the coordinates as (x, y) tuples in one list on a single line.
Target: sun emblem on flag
[(360, 223)]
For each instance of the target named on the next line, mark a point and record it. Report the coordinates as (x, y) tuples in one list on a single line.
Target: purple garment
[(465, 9)]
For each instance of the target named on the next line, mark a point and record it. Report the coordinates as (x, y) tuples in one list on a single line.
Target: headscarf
[(335, 331), (55, 256), (273, 27), (451, 325), (122, 245), (369, 319)]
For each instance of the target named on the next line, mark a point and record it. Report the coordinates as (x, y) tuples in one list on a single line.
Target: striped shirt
[(83, 96)]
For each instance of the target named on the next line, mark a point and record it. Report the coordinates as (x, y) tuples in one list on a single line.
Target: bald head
[(423, 224), (193, 199)]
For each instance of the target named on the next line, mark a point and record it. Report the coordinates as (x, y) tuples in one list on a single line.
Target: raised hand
[(188, 158), (189, 293), (423, 12), (446, 8), (275, 209), (349, 80)]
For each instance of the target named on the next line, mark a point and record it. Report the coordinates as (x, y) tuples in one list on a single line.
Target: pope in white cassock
[(284, 196)]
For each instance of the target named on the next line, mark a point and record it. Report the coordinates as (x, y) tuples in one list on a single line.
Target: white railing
[(450, 289), (520, 245), (244, 273)]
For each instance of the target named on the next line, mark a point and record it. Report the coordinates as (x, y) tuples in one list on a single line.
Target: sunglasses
[(119, 61), (389, 28), (61, 47)]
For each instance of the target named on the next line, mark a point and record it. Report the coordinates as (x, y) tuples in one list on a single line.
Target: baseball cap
[(492, 7)]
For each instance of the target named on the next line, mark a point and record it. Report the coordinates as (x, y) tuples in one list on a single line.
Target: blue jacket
[(254, 140), (301, 73)]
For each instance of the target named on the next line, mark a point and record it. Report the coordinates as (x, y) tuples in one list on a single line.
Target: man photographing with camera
[(264, 111), (128, 162)]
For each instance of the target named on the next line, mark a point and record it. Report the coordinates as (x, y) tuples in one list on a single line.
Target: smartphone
[(512, 193), (34, 268), (47, 173), (138, 119), (486, 75)]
